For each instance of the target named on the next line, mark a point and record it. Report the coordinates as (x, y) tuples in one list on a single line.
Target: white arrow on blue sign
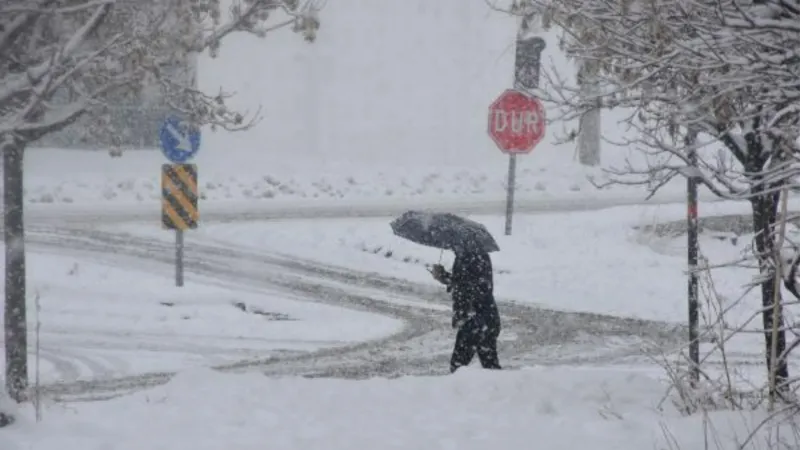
[(180, 141)]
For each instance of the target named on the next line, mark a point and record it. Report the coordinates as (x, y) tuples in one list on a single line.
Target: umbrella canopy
[(444, 230)]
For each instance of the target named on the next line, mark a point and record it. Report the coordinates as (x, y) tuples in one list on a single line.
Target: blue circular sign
[(180, 141)]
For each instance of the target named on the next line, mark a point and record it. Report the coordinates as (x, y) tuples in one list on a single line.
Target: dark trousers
[(475, 336)]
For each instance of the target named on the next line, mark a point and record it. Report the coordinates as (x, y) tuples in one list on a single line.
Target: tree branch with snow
[(67, 60), (62, 59), (724, 70)]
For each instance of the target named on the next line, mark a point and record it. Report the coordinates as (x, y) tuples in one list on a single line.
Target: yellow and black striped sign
[(179, 196)]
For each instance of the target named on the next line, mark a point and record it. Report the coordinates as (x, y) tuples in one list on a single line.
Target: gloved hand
[(439, 274), (458, 321)]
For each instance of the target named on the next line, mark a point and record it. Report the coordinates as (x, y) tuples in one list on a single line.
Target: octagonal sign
[(516, 122)]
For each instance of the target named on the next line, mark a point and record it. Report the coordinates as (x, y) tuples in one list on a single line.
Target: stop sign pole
[(516, 119)]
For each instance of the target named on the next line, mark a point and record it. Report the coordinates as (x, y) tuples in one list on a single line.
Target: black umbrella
[(444, 230)]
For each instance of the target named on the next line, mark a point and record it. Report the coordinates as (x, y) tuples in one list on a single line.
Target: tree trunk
[(16, 330), (589, 127), (764, 218)]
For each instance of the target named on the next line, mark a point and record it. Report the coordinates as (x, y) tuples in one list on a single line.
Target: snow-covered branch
[(727, 69), (716, 72), (62, 59)]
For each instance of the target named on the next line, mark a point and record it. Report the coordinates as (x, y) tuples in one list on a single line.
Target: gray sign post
[(179, 194), (527, 67), (512, 180), (179, 258)]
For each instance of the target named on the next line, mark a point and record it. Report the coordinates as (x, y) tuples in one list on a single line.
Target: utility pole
[(692, 254), (15, 327)]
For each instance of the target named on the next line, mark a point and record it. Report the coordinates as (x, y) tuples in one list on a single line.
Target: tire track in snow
[(422, 348), (108, 248)]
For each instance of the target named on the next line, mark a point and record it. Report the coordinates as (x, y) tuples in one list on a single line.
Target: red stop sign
[(516, 122)]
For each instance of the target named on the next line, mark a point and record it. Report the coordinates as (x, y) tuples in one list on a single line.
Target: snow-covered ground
[(591, 261), (553, 408), (581, 261), (100, 320), (368, 112)]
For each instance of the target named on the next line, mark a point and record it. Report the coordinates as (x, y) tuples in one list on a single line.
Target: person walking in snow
[(475, 312)]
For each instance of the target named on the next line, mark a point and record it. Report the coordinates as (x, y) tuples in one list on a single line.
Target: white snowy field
[(99, 320), (554, 408)]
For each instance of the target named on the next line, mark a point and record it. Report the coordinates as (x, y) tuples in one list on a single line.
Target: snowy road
[(531, 335)]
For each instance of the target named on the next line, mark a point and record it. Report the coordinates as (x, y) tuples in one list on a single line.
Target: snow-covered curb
[(108, 189), (279, 209), (59, 176)]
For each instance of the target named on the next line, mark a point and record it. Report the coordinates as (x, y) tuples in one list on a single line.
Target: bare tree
[(66, 60), (722, 70)]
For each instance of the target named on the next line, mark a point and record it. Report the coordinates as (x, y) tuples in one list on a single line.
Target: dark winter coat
[(471, 285)]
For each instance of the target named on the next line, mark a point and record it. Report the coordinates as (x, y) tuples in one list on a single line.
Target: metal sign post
[(179, 194), (517, 120), (516, 124), (527, 64), (179, 258), (512, 181), (693, 258)]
